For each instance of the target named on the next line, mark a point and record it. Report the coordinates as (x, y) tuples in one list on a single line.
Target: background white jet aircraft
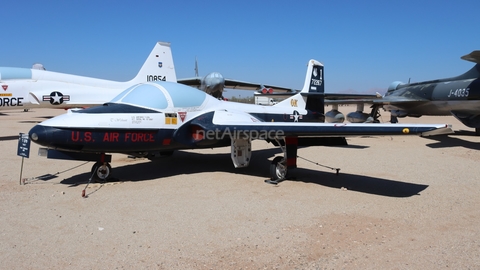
[(24, 88), (27, 88)]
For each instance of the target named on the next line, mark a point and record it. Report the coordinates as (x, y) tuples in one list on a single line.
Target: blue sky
[(364, 45)]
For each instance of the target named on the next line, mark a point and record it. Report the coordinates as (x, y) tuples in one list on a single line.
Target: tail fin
[(312, 95), (158, 66), (474, 72)]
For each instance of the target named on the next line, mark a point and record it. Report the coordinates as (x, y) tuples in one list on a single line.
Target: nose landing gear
[(101, 171)]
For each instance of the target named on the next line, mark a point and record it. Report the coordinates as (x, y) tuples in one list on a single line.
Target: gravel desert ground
[(403, 202)]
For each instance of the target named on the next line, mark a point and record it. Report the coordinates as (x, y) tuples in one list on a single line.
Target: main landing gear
[(375, 114), (280, 165), (278, 170)]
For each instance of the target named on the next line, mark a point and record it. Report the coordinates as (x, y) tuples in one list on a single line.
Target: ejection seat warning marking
[(170, 119)]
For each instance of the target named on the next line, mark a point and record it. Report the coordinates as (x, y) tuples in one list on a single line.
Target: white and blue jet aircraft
[(24, 88), (156, 118)]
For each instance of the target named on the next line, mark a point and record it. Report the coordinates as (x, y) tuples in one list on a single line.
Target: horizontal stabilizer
[(473, 57)]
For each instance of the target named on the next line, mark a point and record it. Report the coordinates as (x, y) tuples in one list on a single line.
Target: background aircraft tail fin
[(311, 97), (474, 72), (158, 66)]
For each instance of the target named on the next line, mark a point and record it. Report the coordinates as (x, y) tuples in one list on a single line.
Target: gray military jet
[(458, 96)]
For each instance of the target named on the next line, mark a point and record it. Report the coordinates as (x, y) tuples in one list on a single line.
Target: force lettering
[(136, 137), (139, 137), (11, 102)]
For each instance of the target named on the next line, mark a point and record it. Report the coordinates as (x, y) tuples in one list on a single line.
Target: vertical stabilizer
[(314, 78), (311, 97), (315, 97), (158, 66)]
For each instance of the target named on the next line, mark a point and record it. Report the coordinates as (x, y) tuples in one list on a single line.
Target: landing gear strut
[(278, 170), (375, 114), (101, 171), (280, 165)]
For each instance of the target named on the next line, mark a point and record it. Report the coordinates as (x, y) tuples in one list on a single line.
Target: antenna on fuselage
[(196, 67)]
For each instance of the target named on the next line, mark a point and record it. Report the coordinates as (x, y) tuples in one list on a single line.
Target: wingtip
[(445, 130)]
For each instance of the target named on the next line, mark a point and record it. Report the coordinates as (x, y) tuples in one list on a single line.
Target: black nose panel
[(39, 134)]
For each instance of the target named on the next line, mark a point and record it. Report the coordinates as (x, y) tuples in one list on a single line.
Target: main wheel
[(278, 169), (101, 171)]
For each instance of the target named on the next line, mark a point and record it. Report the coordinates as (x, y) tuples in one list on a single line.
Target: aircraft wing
[(338, 98), (194, 82), (335, 98), (235, 84), (394, 99), (236, 123), (370, 99)]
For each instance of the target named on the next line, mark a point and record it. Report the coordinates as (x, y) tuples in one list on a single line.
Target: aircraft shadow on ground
[(454, 141), (30, 122), (359, 183), (194, 164), (42, 118)]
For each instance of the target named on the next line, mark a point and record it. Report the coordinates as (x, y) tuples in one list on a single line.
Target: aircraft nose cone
[(40, 135)]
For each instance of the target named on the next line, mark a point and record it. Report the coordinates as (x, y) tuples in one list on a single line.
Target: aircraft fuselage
[(18, 94), (437, 98), (154, 119)]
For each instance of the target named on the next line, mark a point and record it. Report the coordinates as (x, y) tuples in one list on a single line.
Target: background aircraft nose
[(213, 84)]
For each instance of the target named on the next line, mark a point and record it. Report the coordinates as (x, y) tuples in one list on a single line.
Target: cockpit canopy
[(161, 95), (12, 73)]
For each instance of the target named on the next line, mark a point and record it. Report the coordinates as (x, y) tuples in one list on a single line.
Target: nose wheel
[(101, 171)]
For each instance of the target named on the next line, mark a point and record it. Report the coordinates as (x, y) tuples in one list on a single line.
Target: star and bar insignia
[(56, 98)]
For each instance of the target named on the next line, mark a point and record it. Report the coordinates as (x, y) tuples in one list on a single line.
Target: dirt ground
[(402, 202)]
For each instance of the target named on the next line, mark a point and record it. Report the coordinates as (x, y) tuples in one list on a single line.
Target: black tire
[(101, 171), (278, 170)]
